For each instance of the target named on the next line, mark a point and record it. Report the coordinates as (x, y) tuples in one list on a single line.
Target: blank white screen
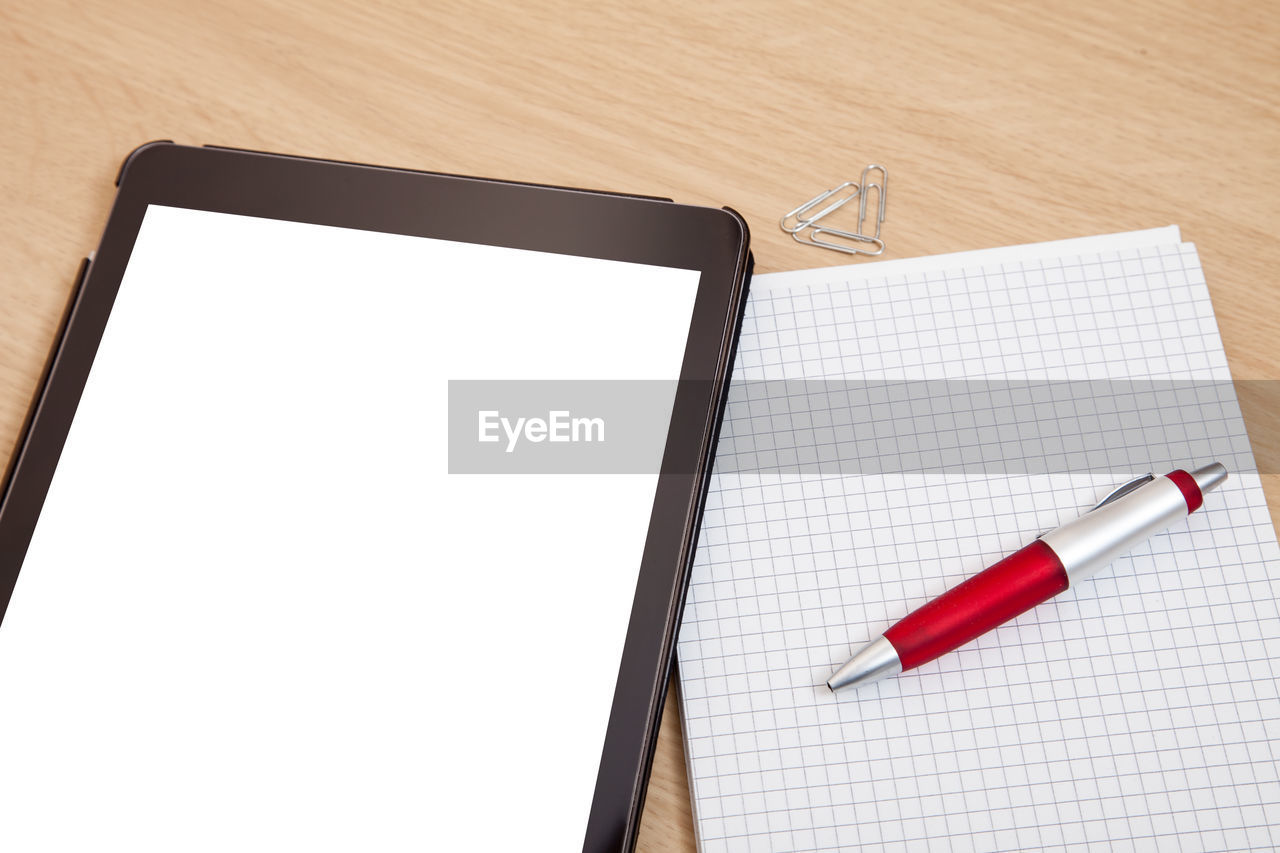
[(258, 613)]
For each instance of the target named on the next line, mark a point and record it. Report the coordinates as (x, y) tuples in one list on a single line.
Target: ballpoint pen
[(1051, 564)]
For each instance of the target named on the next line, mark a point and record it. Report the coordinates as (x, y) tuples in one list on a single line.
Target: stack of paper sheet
[(1019, 386)]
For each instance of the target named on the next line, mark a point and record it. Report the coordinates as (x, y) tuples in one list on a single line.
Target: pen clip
[(1125, 489), (1120, 492)]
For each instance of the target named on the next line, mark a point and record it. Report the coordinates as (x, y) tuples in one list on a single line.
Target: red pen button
[(1187, 485)]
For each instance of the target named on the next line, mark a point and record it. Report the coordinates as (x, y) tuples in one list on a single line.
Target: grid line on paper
[(1137, 711)]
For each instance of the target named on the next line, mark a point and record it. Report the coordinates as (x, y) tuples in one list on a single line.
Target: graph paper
[(1138, 711)]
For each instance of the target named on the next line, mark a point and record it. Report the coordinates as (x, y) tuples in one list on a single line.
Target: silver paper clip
[(805, 226), (854, 238), (801, 212), (882, 194)]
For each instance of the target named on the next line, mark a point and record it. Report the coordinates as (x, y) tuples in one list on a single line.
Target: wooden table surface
[(1000, 122)]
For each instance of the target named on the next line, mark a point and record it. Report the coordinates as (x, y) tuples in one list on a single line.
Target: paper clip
[(882, 194), (805, 226), (801, 212), (812, 239)]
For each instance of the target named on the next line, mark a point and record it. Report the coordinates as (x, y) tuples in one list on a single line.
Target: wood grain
[(1001, 122)]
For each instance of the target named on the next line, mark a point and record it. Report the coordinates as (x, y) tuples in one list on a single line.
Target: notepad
[(1137, 711)]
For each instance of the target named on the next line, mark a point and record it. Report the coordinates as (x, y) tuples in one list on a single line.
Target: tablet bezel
[(447, 207)]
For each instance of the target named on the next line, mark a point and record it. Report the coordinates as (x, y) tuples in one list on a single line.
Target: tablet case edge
[(746, 270), (37, 400), (124, 166)]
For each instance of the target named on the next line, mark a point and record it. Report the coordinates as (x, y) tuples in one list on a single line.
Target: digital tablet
[(355, 511)]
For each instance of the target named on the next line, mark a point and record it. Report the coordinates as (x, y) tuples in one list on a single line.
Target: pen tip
[(874, 661)]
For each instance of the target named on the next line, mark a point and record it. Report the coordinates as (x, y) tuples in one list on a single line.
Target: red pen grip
[(988, 599)]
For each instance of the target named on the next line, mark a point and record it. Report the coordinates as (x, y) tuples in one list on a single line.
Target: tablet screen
[(259, 611)]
